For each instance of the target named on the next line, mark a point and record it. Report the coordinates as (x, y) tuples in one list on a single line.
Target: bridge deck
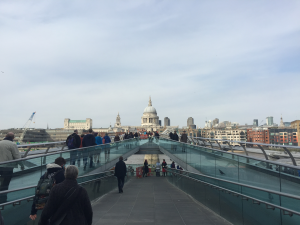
[(152, 200)]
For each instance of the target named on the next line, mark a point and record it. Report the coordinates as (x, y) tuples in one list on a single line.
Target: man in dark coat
[(184, 139), (171, 135), (120, 173), (76, 144), (89, 140), (68, 202), (175, 138)]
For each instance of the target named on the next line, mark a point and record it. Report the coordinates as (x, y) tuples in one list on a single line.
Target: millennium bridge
[(214, 187)]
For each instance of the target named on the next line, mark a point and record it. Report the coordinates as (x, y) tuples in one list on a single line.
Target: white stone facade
[(150, 118), (78, 124)]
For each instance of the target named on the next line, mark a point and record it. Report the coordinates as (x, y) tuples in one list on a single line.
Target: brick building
[(296, 125), (284, 137), (259, 135)]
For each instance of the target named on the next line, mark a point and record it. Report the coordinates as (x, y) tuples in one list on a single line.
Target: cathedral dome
[(150, 108)]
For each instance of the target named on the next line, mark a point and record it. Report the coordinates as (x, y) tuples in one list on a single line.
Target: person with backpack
[(89, 140), (53, 176), (73, 141), (68, 203)]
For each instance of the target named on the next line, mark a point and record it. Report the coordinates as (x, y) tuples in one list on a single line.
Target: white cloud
[(85, 59)]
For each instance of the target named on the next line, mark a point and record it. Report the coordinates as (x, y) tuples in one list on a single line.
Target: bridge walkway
[(152, 200)]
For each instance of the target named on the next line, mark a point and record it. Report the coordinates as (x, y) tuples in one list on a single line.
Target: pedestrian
[(171, 135), (179, 167), (73, 141), (106, 139), (68, 202), (81, 138), (89, 141), (157, 169), (156, 135), (117, 138), (173, 165), (8, 151), (131, 135), (146, 168), (183, 139), (164, 167), (116, 141), (175, 138), (120, 173), (56, 172), (81, 153), (136, 135), (98, 139)]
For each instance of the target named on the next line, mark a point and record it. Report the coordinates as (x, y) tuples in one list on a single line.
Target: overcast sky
[(234, 60)]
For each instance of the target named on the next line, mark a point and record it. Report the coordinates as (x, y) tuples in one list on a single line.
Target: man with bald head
[(8, 151)]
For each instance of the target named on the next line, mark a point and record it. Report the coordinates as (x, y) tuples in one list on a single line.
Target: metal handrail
[(255, 143), (33, 186), (41, 144), (239, 155), (32, 196), (252, 143), (69, 150), (243, 195), (240, 184)]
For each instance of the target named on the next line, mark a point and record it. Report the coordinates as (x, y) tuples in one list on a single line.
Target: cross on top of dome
[(150, 102), (150, 108)]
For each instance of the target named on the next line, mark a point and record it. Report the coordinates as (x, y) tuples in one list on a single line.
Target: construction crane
[(260, 124), (26, 126)]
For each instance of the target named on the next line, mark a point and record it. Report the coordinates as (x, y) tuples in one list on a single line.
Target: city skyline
[(236, 61)]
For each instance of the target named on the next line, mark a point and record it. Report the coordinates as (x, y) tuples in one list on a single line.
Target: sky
[(232, 60)]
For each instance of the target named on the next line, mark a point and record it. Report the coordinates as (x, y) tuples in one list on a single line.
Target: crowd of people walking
[(88, 140), (174, 137)]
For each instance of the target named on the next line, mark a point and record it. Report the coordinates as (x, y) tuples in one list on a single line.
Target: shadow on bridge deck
[(152, 200)]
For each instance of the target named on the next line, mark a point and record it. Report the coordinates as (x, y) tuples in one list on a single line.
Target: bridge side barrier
[(96, 185), (234, 167), (243, 145), (236, 203), (102, 157)]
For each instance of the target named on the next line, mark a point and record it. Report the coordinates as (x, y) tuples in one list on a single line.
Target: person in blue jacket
[(106, 140), (98, 140)]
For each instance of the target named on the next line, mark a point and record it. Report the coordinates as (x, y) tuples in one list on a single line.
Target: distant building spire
[(150, 102), (47, 127), (281, 122)]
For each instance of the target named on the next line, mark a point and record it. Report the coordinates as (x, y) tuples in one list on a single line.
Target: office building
[(167, 122), (269, 120), (190, 121), (255, 122), (215, 121)]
